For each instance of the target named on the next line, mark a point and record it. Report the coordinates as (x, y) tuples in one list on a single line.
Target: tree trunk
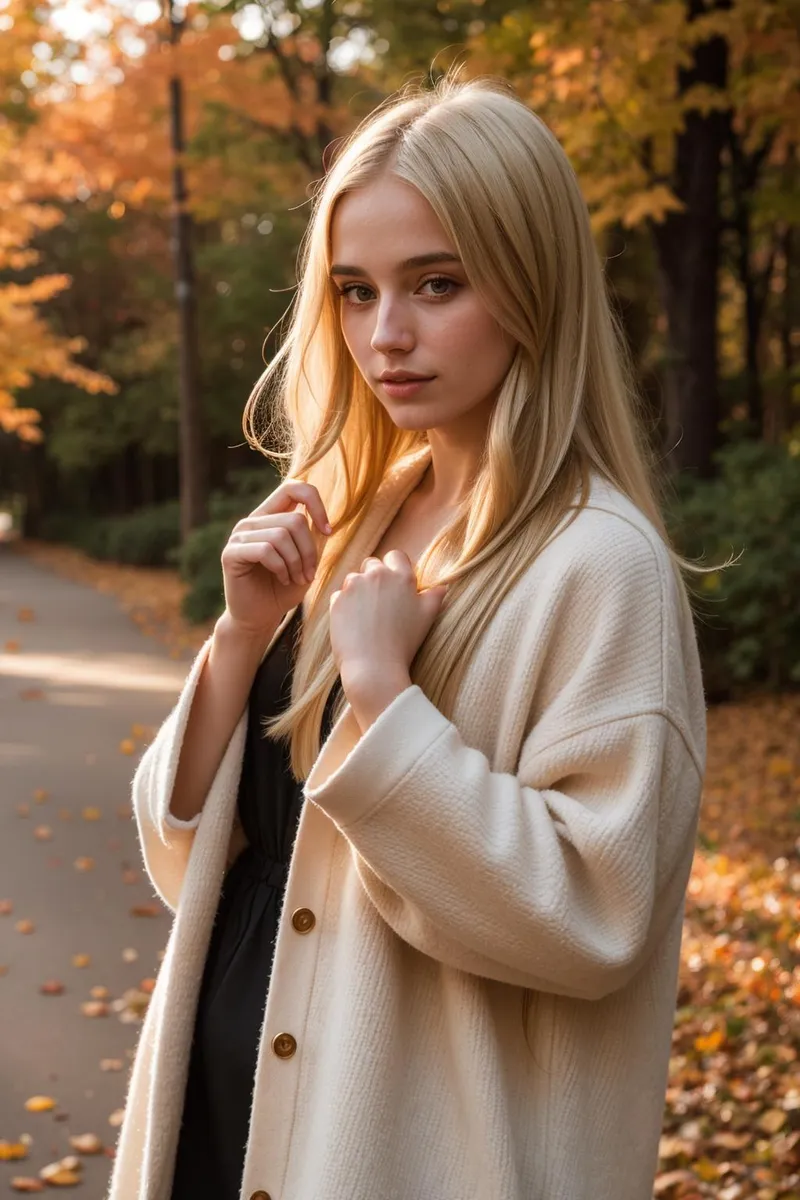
[(687, 247), (192, 432)]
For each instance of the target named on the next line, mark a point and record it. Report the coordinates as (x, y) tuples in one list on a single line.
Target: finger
[(257, 552), (398, 559), (291, 493), (282, 541), (295, 525)]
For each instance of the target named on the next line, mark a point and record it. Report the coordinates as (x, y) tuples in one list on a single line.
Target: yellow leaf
[(708, 1044), (11, 1151), (40, 1104), (772, 1120), (706, 1169)]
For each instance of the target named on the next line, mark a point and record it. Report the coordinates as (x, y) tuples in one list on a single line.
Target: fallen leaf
[(31, 694), (12, 646), (129, 954), (23, 810), (664, 1182), (84, 864), (117, 1117), (5, 908), (145, 910), (59, 1176), (40, 795), (111, 1064), (25, 1183), (99, 992), (129, 875), (86, 1143), (25, 614), (81, 960), (92, 814), (25, 926), (43, 833), (12, 1151), (127, 746), (40, 1104), (772, 1120), (51, 987), (94, 1008)]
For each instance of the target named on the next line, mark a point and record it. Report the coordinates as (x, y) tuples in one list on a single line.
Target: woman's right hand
[(270, 558)]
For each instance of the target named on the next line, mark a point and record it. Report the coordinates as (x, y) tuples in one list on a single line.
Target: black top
[(230, 1010)]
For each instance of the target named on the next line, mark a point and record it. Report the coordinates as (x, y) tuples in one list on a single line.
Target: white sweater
[(541, 839)]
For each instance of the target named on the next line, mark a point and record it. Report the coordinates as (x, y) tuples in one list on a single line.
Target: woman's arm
[(222, 690), (205, 742), (563, 873), (561, 880)]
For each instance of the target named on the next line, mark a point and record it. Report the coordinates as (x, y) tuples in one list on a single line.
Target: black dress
[(216, 1115)]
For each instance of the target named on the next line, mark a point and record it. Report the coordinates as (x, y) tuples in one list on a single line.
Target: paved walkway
[(81, 679)]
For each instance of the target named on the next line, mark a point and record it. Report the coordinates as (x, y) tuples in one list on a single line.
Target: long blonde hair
[(506, 195)]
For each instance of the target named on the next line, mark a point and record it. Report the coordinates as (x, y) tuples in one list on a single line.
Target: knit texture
[(541, 839)]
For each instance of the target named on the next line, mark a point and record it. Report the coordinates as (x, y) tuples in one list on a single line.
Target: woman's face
[(421, 318)]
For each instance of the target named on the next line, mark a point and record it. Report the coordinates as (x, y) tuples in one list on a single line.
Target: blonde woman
[(425, 809)]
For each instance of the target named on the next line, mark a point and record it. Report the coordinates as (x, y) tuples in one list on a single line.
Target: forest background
[(681, 117), (682, 120)]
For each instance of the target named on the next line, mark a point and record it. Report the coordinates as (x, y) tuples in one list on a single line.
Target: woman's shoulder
[(609, 525)]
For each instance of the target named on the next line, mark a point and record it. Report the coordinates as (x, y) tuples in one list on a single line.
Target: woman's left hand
[(379, 620)]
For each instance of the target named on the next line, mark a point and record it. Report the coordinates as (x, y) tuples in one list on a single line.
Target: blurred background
[(156, 161), (155, 167)]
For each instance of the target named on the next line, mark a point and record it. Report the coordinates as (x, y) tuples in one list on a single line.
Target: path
[(80, 681)]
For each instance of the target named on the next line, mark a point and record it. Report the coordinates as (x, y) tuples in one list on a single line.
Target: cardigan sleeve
[(165, 840), (561, 876)]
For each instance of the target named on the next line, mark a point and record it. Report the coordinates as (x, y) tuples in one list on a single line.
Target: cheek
[(473, 343)]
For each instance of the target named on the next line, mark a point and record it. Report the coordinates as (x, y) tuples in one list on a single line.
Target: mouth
[(404, 387)]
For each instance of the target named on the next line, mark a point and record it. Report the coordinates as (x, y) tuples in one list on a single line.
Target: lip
[(404, 387), (402, 377)]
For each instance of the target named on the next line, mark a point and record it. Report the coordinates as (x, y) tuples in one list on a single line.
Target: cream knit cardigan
[(541, 839)]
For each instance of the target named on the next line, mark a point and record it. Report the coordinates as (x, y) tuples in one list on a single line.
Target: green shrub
[(749, 613), (199, 560), (147, 537), (199, 564)]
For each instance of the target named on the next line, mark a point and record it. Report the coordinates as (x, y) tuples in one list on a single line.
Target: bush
[(148, 537), (199, 559), (748, 614), (199, 564)]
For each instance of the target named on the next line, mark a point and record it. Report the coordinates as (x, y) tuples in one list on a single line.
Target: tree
[(28, 346), (648, 98)]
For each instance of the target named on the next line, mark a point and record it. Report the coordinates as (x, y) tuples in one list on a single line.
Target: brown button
[(284, 1045), (303, 920), (260, 1196)]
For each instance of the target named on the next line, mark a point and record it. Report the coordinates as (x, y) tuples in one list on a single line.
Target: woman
[(479, 696)]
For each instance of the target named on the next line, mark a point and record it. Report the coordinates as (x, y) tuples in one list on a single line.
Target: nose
[(393, 329)]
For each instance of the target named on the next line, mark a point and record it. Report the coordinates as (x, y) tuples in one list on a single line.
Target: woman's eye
[(352, 288)]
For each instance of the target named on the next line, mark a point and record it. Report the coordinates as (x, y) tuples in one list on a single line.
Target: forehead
[(383, 221)]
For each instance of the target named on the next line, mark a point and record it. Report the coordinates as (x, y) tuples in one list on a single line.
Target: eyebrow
[(419, 260)]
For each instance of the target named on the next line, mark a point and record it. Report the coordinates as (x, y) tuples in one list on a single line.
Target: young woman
[(425, 809)]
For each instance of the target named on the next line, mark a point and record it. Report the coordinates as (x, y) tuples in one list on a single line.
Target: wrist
[(371, 687), (228, 632)]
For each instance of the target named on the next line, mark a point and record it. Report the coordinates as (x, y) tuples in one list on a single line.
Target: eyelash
[(345, 291)]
